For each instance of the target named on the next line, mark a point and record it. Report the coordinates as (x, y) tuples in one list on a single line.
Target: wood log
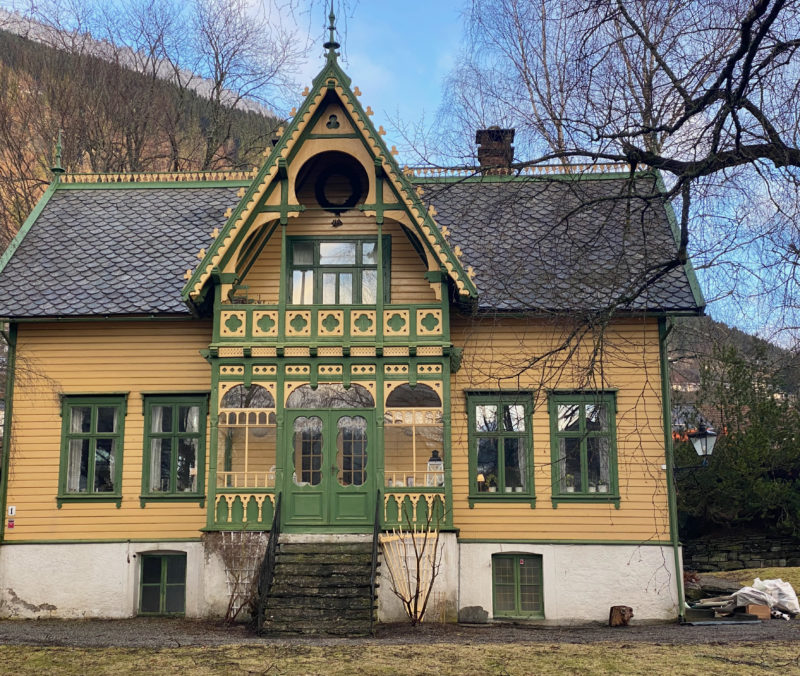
[(619, 616)]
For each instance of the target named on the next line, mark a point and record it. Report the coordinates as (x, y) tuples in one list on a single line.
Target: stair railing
[(268, 564), (376, 527)]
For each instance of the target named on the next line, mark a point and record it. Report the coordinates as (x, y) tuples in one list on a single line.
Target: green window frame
[(92, 433), (174, 449), (501, 446), (583, 443), (333, 271), (517, 586), (162, 584)]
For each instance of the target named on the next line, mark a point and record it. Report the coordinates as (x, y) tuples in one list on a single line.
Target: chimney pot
[(495, 152)]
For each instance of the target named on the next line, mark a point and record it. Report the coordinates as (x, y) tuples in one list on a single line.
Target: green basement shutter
[(517, 585), (163, 584)]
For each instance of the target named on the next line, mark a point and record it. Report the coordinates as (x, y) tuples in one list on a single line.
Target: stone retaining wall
[(731, 553)]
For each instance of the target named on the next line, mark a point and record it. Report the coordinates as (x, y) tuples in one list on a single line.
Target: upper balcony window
[(334, 271)]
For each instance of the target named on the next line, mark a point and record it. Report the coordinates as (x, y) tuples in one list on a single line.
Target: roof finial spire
[(331, 45), (57, 169)]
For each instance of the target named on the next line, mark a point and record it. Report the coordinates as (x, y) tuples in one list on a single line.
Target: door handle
[(335, 468)]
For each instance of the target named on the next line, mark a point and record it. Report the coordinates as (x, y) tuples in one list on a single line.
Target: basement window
[(163, 584), (517, 587)]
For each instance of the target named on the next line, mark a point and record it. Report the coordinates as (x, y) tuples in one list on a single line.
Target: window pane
[(160, 459), (337, 253), (104, 466), (151, 598), (503, 570), (302, 287), (303, 253), (487, 463), (329, 288), (569, 417), (175, 599), (161, 419), (369, 286), (351, 446), (345, 288), (504, 599), (186, 469), (515, 463), (597, 417), (307, 443), (78, 466), (151, 569), (369, 253), (569, 455), (597, 462), (81, 420), (106, 419), (176, 569), (486, 418), (514, 418), (189, 419)]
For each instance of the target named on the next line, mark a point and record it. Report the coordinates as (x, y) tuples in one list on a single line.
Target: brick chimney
[(495, 152)]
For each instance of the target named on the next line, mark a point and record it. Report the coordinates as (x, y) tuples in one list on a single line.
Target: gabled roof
[(588, 241), (331, 79), (110, 248)]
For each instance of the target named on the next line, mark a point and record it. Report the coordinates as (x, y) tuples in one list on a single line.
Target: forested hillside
[(113, 119)]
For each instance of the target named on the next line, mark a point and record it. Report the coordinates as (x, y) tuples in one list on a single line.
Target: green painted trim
[(584, 498), (28, 224), (175, 401), (535, 614), (150, 185), (694, 285), (669, 460), (213, 446), (163, 583), (119, 401), (108, 541), (500, 398), (11, 364), (607, 397), (522, 541), (327, 136)]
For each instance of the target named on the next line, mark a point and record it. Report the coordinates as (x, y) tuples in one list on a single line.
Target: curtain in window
[(80, 419), (156, 425)]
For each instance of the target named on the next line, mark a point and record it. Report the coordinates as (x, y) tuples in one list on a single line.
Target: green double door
[(331, 461)]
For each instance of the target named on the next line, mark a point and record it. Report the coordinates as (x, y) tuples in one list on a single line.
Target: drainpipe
[(11, 341), (663, 331)]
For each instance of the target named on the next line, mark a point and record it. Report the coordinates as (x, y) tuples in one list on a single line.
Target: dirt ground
[(174, 633)]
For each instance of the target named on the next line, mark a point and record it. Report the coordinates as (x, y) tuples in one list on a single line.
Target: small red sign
[(11, 523)]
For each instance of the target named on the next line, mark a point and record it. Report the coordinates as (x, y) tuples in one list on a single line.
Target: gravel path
[(171, 633)]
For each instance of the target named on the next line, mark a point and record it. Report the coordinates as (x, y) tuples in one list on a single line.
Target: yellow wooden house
[(479, 351)]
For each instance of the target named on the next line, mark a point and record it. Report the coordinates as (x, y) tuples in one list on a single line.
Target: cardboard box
[(761, 612)]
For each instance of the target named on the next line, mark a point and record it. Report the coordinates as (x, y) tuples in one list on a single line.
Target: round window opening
[(338, 181)]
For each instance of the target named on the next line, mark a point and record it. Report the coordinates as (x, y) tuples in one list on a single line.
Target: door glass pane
[(515, 459), (186, 466), (530, 584), (104, 466), (337, 253), (161, 461), (503, 569), (307, 444), (351, 446), (569, 452), (151, 569), (329, 288), (174, 599), (106, 419), (486, 418), (151, 598), (303, 253), (345, 288), (487, 465), (176, 569), (369, 287)]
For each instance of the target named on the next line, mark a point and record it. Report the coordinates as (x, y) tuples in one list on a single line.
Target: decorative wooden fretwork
[(298, 370), (264, 352), (428, 369), (362, 351), (363, 322), (400, 498), (160, 177), (429, 322), (330, 323), (265, 323), (232, 324), (395, 369), (265, 370), (298, 323), (362, 369), (231, 352), (396, 322), (297, 352), (398, 351), (428, 351), (244, 498), (330, 369), (535, 170), (234, 370), (329, 351)]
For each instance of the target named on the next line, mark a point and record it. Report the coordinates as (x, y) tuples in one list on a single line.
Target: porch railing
[(267, 571), (373, 579)]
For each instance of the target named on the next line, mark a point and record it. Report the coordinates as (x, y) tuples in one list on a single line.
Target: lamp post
[(703, 439)]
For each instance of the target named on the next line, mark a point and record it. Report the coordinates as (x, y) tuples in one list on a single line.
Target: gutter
[(663, 332)]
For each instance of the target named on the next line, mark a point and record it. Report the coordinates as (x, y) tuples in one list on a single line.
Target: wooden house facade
[(478, 351)]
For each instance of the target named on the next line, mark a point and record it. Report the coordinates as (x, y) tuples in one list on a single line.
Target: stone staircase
[(321, 586)]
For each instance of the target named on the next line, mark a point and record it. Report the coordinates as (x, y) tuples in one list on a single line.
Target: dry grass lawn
[(746, 576), (510, 659)]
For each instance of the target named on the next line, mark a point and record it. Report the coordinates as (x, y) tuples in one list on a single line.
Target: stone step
[(310, 627), (285, 589), (308, 558), (325, 548), (326, 615), (337, 571), (320, 602)]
